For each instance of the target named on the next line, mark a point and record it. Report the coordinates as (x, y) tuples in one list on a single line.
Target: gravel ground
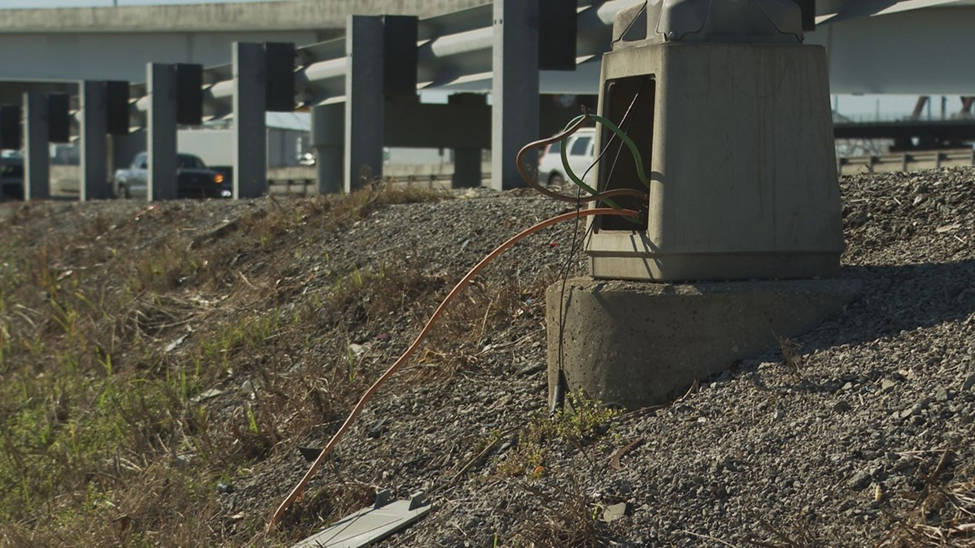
[(837, 451), (860, 439)]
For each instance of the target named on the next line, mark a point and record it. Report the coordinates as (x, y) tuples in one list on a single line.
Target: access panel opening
[(628, 103)]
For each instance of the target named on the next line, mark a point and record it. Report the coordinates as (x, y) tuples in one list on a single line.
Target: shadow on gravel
[(894, 299), (900, 298)]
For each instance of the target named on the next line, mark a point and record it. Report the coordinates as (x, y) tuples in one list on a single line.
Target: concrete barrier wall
[(300, 180), (64, 179), (912, 161)]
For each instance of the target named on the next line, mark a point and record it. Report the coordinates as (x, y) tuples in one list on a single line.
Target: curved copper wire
[(297, 491), (533, 182)]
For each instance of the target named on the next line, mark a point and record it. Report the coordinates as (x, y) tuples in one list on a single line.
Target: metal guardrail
[(911, 161), (302, 180)]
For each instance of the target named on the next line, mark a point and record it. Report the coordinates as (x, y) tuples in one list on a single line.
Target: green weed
[(579, 423)]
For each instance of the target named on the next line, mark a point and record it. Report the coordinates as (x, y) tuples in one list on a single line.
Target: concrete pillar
[(467, 161), (467, 168), (37, 159), (516, 86), (95, 184), (125, 148), (364, 100), (250, 126), (161, 79), (327, 136)]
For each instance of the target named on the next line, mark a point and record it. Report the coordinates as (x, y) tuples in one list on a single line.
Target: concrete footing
[(637, 344)]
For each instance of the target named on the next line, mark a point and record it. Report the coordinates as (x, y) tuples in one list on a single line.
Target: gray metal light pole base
[(638, 344)]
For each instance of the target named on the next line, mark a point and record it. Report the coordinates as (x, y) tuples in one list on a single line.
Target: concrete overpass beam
[(37, 161), (463, 123), (364, 100), (250, 125), (515, 90), (327, 138), (161, 79), (95, 183)]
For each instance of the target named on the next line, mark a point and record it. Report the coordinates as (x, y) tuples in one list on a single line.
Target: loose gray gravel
[(859, 441), (836, 455), (840, 450)]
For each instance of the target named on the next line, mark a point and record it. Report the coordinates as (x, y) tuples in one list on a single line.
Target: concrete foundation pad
[(637, 344)]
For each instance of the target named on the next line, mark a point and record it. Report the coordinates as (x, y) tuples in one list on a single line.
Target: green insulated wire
[(571, 174), (568, 169), (637, 158)]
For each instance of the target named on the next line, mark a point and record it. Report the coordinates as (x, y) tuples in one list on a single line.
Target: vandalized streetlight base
[(637, 344)]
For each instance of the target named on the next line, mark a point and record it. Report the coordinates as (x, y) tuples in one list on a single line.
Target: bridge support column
[(163, 162), (125, 147), (327, 135), (365, 100), (516, 85), (250, 125), (467, 160), (37, 161), (94, 142), (467, 168), (966, 105)]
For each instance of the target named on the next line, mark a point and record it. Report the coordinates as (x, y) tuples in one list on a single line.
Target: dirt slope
[(251, 328)]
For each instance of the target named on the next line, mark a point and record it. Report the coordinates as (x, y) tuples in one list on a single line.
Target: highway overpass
[(454, 52), (922, 51), (115, 43)]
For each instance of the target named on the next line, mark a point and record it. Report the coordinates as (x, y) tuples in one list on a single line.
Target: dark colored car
[(193, 179)]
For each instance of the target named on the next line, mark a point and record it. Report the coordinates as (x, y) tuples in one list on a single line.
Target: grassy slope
[(113, 326)]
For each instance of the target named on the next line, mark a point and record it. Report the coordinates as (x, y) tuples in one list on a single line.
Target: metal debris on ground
[(617, 511), (369, 525)]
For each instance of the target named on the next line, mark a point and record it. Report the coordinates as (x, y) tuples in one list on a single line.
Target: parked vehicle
[(11, 178), (193, 179), (580, 148), (307, 159)]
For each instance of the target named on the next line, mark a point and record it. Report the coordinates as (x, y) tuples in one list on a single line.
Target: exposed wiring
[(578, 200), (299, 489), (637, 158), (533, 181), (562, 382)]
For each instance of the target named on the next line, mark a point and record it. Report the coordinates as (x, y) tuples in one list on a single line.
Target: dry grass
[(110, 336), (563, 518), (321, 508), (942, 513)]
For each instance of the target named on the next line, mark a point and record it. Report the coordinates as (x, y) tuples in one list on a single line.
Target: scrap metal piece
[(617, 511), (371, 524), (310, 453)]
